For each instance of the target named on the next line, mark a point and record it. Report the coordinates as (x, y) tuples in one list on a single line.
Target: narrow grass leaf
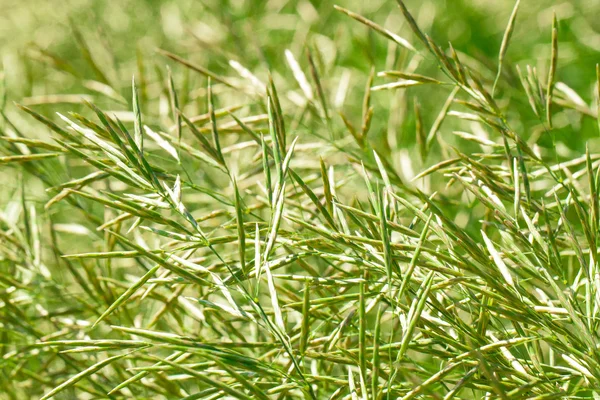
[(127, 294), (83, 374), (505, 41)]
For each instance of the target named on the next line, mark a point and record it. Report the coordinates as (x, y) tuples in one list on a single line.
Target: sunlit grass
[(289, 212)]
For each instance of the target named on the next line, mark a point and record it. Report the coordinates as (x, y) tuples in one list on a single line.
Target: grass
[(307, 201)]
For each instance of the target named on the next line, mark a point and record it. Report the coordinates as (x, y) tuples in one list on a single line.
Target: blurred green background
[(55, 52), (256, 31), (41, 55)]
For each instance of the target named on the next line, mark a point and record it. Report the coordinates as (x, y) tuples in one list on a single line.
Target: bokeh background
[(55, 54), (42, 55)]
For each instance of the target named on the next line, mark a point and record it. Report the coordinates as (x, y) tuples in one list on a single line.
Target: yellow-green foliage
[(297, 199)]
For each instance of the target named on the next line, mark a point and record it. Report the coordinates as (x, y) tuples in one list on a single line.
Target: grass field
[(294, 199)]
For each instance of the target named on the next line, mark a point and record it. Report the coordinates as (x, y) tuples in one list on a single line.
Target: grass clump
[(263, 224)]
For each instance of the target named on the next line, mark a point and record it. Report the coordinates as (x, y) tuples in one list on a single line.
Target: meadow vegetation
[(295, 199)]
